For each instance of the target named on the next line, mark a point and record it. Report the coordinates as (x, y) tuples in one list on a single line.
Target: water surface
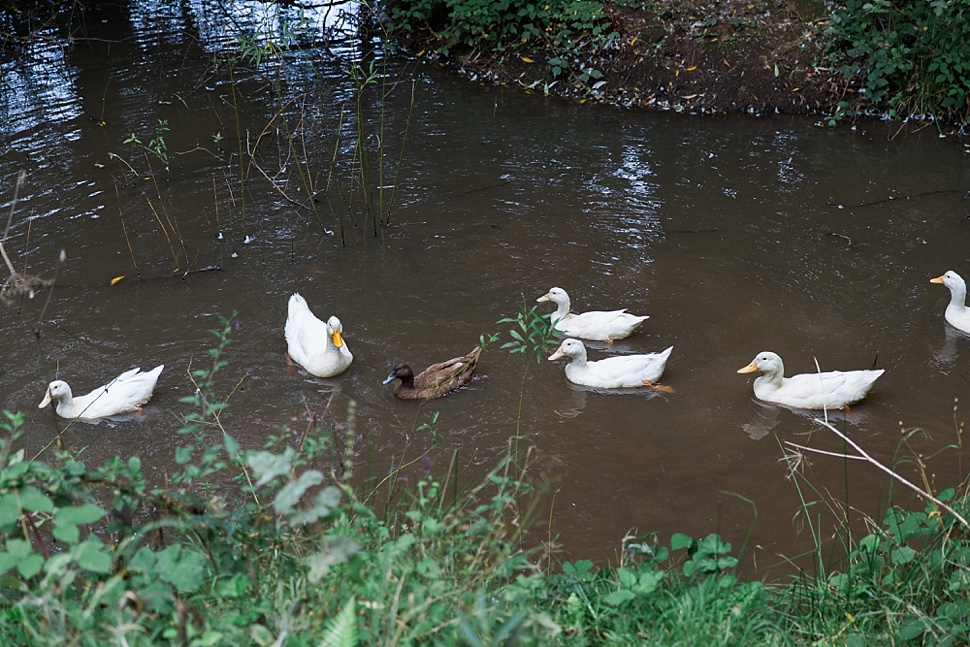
[(735, 235)]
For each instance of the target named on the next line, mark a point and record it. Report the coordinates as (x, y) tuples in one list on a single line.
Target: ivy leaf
[(16, 551), (34, 500), (93, 556), (339, 550), (69, 534), (268, 466), (617, 598), (903, 555), (679, 540), (30, 566), (184, 569), (325, 503), (287, 498), (82, 514), (9, 510), (143, 561)]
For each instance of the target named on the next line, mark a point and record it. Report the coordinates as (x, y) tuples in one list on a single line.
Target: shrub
[(909, 57)]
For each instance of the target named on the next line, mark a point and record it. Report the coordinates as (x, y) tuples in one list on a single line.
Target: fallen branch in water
[(18, 285)]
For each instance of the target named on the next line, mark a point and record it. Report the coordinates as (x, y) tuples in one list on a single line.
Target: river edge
[(700, 57)]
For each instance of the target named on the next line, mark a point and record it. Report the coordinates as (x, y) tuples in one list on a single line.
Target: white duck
[(315, 345), (831, 390), (957, 313), (621, 372), (597, 325), (124, 394)]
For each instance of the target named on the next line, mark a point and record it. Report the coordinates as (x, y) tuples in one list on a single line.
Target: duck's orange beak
[(938, 279), (46, 401), (557, 354), (750, 368), (338, 339), (544, 297)]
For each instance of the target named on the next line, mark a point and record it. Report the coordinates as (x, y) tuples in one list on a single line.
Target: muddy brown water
[(735, 235)]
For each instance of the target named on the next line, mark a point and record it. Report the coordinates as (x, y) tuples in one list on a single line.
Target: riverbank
[(708, 57), (702, 57)]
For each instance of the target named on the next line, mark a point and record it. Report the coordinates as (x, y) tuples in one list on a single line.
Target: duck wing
[(628, 371), (305, 334), (450, 374), (600, 325), (832, 389), (123, 394)]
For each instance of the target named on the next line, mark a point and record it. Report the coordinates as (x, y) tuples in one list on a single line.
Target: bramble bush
[(910, 57), (549, 25)]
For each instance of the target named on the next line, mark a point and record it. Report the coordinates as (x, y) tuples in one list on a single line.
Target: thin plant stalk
[(239, 143), (21, 178), (400, 158), (168, 238)]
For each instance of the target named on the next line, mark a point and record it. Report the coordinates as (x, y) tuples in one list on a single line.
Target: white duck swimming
[(124, 394), (831, 390), (621, 372), (315, 345), (957, 313), (597, 325)]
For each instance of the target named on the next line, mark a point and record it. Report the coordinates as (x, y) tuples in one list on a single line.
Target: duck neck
[(64, 403), (771, 378), (958, 297), (562, 309), (579, 360)]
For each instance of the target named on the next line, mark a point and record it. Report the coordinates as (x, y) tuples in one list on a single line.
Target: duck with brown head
[(436, 380)]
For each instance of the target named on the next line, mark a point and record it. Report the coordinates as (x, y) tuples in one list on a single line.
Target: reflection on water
[(720, 230), (948, 353)]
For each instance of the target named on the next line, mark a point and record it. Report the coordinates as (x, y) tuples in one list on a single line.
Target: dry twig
[(869, 459)]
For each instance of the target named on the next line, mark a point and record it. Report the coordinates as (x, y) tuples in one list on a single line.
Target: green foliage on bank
[(900, 58), (277, 546), (910, 57), (566, 26)]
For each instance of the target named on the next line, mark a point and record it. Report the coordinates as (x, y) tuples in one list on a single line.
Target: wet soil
[(696, 56)]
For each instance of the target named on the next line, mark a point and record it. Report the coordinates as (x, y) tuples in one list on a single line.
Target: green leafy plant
[(708, 556), (531, 332), (504, 27), (908, 57), (157, 143)]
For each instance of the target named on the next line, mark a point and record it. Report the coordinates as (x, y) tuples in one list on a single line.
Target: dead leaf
[(117, 279)]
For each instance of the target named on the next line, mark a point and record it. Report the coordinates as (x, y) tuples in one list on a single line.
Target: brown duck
[(436, 380)]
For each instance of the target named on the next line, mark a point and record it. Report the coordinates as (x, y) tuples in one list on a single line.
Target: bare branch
[(869, 459)]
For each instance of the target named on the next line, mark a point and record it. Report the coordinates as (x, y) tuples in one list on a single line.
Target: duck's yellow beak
[(750, 368), (938, 279), (338, 339), (46, 401), (557, 354), (544, 297)]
